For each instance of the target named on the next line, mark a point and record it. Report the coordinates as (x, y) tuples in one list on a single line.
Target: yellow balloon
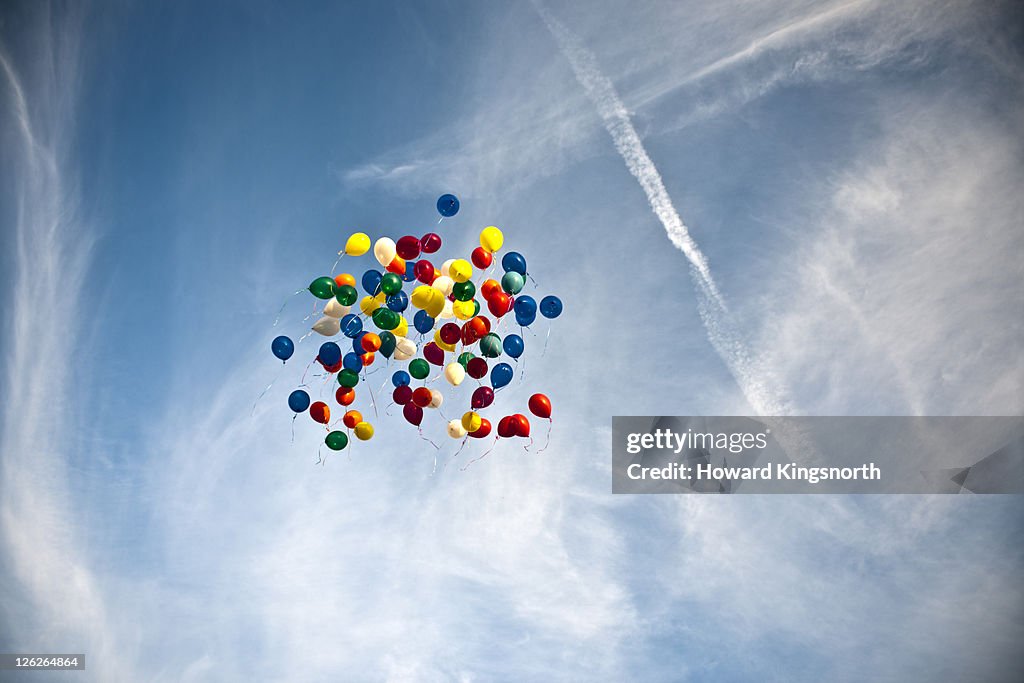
[(358, 244), (491, 239), (463, 310), (441, 342), (460, 270), (368, 305), (471, 421), (435, 306), (422, 296), (364, 431), (402, 329)]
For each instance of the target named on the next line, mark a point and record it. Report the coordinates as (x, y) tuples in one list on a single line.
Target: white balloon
[(405, 349), (447, 312), (334, 309), (327, 326), (456, 430), (436, 399), (454, 373), (443, 284), (385, 251), (445, 266)]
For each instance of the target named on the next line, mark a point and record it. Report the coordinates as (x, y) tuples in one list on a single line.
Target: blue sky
[(845, 176)]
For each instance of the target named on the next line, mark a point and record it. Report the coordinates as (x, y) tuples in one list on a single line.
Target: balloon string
[(281, 310), (341, 255), (463, 468), (302, 382), (548, 439), (293, 428), (387, 411), (262, 393), (308, 334), (527, 446), (373, 400), (546, 338), (456, 453)]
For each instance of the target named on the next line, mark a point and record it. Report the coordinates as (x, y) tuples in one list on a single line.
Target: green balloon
[(385, 318), (322, 287), (348, 378), (419, 368), (387, 344), (336, 441), (464, 291), (490, 346), (465, 357), (476, 308), (512, 282), (346, 295), (390, 283)]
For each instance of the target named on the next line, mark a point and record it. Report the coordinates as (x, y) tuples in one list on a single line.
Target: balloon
[(348, 378), (444, 284), (422, 322), (430, 243), (513, 345), (402, 394), (450, 333), (322, 287), (397, 267), (368, 357), (419, 368), (385, 318), (410, 271), (433, 353), (333, 307), (525, 306), (320, 412), (421, 397), (435, 309), (490, 346), (505, 428), (464, 310), (345, 295), (445, 346), (298, 400), (333, 368), (491, 239), (371, 281), (464, 358), (512, 282), (424, 271), (326, 326), (351, 325), (551, 306), (408, 247), (514, 262), (282, 347), (454, 373), (482, 258), (357, 244), (330, 353), (387, 344), (398, 302), (525, 321), (400, 378), (447, 205), (343, 279), (482, 397), (520, 425), (390, 283), (483, 430), (352, 418), (456, 430), (369, 304), (499, 304), (471, 421), (489, 288), (413, 413), (345, 395), (403, 327), (501, 375), (464, 291), (476, 368), (405, 349), (370, 342), (384, 251), (447, 310), (540, 405), (364, 431), (336, 440), (460, 270), (352, 362), (436, 399)]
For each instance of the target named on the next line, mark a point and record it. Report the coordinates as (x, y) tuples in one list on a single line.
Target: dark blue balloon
[(525, 306), (514, 261), (398, 302), (371, 281), (501, 374), (352, 362), (410, 271), (401, 378), (351, 325), (422, 322), (357, 343), (551, 306), (526, 320), (298, 401), (330, 353), (447, 205), (513, 345), (282, 347)]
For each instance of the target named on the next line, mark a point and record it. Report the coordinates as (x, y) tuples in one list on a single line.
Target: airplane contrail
[(722, 333)]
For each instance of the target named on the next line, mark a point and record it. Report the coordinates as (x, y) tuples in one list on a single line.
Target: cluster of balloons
[(456, 308)]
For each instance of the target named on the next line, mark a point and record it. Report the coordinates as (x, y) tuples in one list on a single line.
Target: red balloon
[(422, 397), (413, 413), (482, 397), (468, 335), (352, 418), (450, 333), (540, 405), (433, 353), (505, 428), (482, 258), (320, 412), (476, 368), (430, 243), (331, 368), (367, 358), (499, 304), (402, 394), (424, 271), (483, 430), (408, 247), (520, 424), (345, 395), (370, 342), (488, 288), (397, 266)]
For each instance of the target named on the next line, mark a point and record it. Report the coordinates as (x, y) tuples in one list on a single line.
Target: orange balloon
[(397, 266), (367, 358), (352, 418), (370, 342), (488, 288), (344, 279), (345, 395), (320, 412)]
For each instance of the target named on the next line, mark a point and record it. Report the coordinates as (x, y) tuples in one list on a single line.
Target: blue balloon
[(513, 345), (298, 401), (330, 353), (551, 306), (398, 302), (371, 281), (422, 322), (501, 374), (525, 320), (282, 347), (357, 344), (525, 306), (447, 205), (351, 325), (401, 378), (352, 362), (514, 261), (410, 271)]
